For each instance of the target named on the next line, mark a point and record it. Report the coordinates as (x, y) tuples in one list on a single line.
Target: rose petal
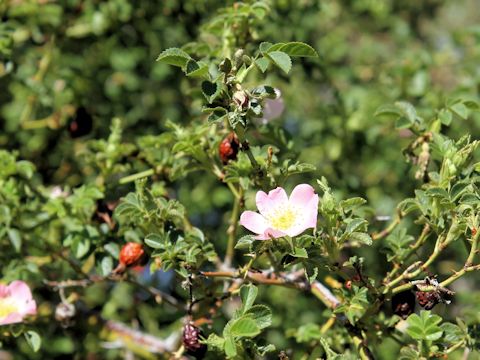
[(11, 319), (301, 195), (308, 218), (270, 233), (253, 221), (20, 291), (272, 108), (3, 291), (312, 212), (275, 199)]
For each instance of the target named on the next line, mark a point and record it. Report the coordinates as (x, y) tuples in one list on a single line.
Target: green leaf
[(33, 339), (445, 117), (407, 110), (106, 265), (244, 327), (389, 111), (262, 64), (407, 353), (360, 237), (308, 332), (355, 225), (196, 69), (174, 56), (261, 314), (299, 253), (230, 347), (155, 241), (451, 332), (215, 342), (264, 46), (331, 355), (281, 60), (352, 203), (245, 242), (15, 238), (425, 326), (460, 109), (294, 49), (211, 90), (248, 294)]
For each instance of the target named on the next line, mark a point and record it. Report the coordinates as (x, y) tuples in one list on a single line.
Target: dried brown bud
[(403, 304)]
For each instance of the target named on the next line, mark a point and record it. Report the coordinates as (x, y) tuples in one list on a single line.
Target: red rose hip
[(228, 148), (131, 254)]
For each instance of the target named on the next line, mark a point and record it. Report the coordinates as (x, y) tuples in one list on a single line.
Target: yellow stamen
[(282, 219), (7, 306)]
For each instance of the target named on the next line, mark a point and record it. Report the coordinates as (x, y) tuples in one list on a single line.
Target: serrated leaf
[(308, 332), (15, 238), (299, 253), (230, 347), (33, 339), (360, 237), (451, 332), (106, 265), (245, 242), (281, 59), (388, 110), (460, 109), (196, 69), (407, 110), (155, 241), (355, 225), (294, 49), (174, 56), (211, 90), (244, 327), (352, 203), (262, 64), (248, 294), (261, 314), (264, 46), (445, 117), (215, 342), (425, 326)]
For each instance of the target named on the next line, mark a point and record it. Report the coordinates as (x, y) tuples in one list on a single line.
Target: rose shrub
[(129, 186)]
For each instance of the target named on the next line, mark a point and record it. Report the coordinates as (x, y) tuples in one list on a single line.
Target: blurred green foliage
[(85, 106)]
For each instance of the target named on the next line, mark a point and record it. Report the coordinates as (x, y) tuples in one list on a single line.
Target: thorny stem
[(439, 247), (420, 241), (137, 176), (297, 281)]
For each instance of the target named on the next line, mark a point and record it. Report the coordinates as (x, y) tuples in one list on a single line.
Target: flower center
[(7, 306), (283, 218)]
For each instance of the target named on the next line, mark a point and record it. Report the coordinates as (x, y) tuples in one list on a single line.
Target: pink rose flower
[(273, 108), (282, 216), (16, 302)]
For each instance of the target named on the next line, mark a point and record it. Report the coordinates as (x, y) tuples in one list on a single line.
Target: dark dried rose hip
[(191, 341), (403, 304)]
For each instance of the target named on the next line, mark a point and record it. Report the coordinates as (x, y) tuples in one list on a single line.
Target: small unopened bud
[(241, 99), (64, 313)]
